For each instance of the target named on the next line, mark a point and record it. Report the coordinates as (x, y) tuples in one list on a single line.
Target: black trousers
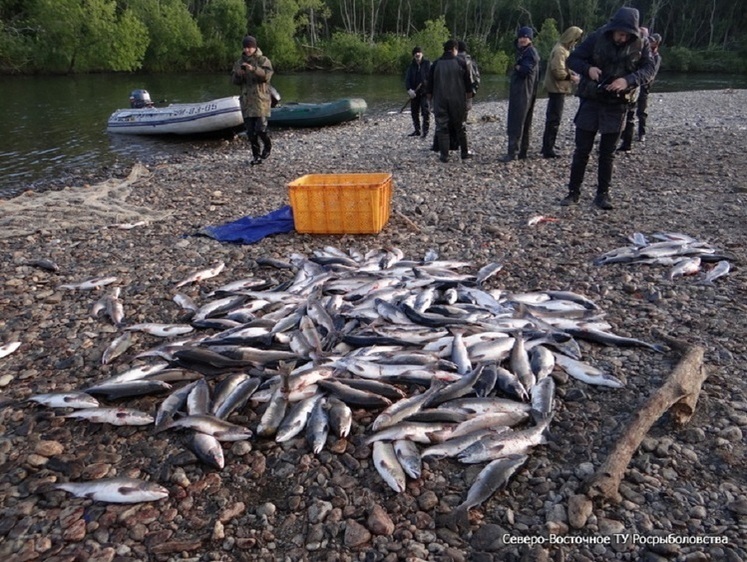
[(256, 129), (584, 146), (553, 116), (419, 108), (639, 110)]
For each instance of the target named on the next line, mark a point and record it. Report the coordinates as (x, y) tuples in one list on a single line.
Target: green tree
[(277, 33), (174, 35), (546, 38), (222, 24), (85, 35)]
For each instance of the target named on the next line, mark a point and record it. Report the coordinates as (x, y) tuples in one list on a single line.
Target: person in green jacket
[(559, 81), (253, 72)]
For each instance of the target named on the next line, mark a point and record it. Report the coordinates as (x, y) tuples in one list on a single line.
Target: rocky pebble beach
[(683, 498)]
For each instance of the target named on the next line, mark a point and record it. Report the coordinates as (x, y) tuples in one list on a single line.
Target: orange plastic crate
[(341, 203)]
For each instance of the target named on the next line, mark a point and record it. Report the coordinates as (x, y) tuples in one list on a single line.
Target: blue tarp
[(249, 230)]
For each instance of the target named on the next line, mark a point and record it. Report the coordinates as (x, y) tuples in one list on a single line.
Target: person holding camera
[(612, 62), (253, 72)]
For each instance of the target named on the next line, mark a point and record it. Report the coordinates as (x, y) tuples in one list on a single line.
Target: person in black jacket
[(640, 107), (448, 87), (612, 62), (415, 81), (522, 95)]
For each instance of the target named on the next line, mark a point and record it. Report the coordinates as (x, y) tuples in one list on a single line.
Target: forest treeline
[(366, 36)]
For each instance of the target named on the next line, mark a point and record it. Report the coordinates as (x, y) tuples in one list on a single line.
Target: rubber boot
[(627, 137), (462, 136), (254, 143), (415, 125), (267, 145), (548, 141), (602, 200), (572, 198), (443, 145)]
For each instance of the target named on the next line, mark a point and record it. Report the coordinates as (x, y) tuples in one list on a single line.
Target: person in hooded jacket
[(415, 80), (253, 72), (559, 81), (522, 95), (612, 63), (448, 87)]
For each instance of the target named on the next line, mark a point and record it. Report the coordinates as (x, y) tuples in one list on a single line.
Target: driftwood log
[(678, 395)]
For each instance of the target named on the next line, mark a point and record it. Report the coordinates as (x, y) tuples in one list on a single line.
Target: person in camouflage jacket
[(253, 72)]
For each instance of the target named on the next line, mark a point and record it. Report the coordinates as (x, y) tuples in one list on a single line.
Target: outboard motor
[(140, 99)]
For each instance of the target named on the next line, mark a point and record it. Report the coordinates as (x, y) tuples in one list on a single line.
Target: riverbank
[(283, 501)]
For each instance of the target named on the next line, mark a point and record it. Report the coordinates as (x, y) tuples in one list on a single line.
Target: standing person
[(612, 62), (253, 72), (559, 81), (415, 81), (639, 109), (448, 87), (522, 95), (474, 71)]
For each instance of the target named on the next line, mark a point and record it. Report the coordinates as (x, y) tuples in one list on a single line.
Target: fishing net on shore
[(76, 207)]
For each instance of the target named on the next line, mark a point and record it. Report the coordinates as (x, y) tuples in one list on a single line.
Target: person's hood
[(570, 36), (625, 19)]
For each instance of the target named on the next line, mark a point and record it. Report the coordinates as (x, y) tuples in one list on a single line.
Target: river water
[(53, 128)]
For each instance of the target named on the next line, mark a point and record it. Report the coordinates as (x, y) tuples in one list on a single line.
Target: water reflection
[(55, 127)]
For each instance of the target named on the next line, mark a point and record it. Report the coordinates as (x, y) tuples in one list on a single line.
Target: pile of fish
[(684, 255), (446, 367)]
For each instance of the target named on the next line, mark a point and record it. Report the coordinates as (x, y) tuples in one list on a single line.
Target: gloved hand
[(411, 93)]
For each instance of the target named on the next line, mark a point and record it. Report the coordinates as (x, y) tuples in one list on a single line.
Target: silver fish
[(542, 361), (455, 445), (685, 266), (340, 417), (296, 419), (8, 348), (113, 416), (208, 449), (504, 444), (408, 455), (386, 464), (587, 373), (275, 412), (161, 330), (173, 403), (202, 275), (220, 429), (487, 271), (185, 302), (494, 476), (117, 347), (418, 432), (317, 428), (543, 399), (88, 284), (198, 399), (460, 355), (236, 399), (489, 420), (116, 490), (72, 399), (44, 263), (129, 388), (719, 270)]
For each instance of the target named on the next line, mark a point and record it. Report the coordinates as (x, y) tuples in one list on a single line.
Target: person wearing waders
[(522, 95), (253, 72)]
